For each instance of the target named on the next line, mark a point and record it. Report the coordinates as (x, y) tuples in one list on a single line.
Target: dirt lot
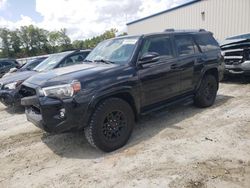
[(180, 147)]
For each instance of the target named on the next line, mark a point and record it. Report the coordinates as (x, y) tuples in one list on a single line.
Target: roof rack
[(184, 30)]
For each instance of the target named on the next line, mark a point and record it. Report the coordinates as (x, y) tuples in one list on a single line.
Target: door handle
[(174, 66)]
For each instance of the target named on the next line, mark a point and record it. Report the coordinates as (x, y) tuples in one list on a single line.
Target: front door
[(159, 80)]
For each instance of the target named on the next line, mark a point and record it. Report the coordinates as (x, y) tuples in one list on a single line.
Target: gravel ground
[(179, 147)]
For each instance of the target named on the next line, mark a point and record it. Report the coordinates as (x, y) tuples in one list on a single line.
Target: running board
[(185, 100)]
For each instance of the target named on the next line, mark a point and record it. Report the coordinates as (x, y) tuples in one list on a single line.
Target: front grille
[(232, 61), (234, 53), (234, 56), (27, 91)]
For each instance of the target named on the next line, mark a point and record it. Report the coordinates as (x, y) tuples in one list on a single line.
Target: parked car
[(28, 66), (6, 65), (10, 85), (121, 79), (236, 51)]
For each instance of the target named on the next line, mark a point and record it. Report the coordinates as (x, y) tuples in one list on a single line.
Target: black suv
[(6, 65), (121, 79)]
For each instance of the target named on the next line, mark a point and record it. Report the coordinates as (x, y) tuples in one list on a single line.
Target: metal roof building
[(222, 17)]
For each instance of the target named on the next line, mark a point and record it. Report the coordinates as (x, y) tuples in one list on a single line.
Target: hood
[(239, 43), (17, 76), (67, 74)]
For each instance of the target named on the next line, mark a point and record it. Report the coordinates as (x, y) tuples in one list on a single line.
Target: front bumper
[(54, 115), (240, 69), (10, 97)]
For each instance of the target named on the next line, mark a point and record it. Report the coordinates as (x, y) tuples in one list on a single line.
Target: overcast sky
[(81, 18)]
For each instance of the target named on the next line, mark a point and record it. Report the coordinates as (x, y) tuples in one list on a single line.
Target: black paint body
[(145, 87)]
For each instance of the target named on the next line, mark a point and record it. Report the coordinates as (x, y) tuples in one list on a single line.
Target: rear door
[(159, 81), (188, 54)]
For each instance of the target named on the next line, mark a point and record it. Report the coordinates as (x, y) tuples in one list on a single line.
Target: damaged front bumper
[(55, 115)]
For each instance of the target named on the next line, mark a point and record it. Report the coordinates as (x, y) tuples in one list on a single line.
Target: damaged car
[(236, 52), (121, 79), (10, 84)]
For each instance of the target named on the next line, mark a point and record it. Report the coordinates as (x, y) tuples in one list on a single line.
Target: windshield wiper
[(104, 61)]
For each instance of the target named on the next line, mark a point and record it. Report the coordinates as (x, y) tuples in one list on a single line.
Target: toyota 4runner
[(121, 79)]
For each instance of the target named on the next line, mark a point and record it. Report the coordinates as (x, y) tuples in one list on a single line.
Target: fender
[(203, 72), (100, 95)]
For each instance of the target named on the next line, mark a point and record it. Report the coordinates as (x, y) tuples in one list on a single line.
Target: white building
[(222, 17)]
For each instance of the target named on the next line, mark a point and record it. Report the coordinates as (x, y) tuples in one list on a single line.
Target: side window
[(160, 45), (7, 64), (206, 42), (77, 58), (84, 55), (33, 65), (185, 45), (72, 60)]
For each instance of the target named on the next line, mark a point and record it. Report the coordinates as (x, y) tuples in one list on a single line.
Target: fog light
[(62, 113)]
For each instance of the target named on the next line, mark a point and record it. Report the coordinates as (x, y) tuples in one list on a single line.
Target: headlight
[(62, 91), (12, 85)]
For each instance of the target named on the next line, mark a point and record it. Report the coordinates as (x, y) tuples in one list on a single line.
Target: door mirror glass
[(149, 57)]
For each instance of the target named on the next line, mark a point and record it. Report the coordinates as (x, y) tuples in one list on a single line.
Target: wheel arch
[(210, 71), (123, 94)]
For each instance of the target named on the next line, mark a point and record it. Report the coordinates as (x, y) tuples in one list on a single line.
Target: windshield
[(115, 50), (31, 65), (51, 62)]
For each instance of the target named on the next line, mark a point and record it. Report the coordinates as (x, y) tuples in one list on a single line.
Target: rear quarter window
[(206, 42)]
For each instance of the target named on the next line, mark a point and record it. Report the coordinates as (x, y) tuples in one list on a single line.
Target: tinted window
[(206, 42), (160, 45), (84, 54), (32, 65), (51, 62), (71, 60), (5, 63), (185, 45)]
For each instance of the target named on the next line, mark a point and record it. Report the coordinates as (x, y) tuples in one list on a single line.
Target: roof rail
[(184, 30), (169, 30), (202, 30)]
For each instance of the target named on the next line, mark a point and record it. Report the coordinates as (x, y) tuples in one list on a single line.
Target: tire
[(206, 94), (110, 125)]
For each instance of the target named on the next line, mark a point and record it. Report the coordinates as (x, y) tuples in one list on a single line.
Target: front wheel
[(206, 94), (111, 125)]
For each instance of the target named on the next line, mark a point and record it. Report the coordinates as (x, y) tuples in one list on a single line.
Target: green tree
[(91, 43), (31, 41), (5, 42), (15, 41)]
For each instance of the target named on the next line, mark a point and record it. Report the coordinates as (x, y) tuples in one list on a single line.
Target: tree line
[(33, 41)]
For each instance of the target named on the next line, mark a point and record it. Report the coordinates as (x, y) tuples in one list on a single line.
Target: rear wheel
[(206, 94), (110, 125)]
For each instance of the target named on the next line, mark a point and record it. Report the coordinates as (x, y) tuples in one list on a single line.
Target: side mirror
[(149, 57)]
